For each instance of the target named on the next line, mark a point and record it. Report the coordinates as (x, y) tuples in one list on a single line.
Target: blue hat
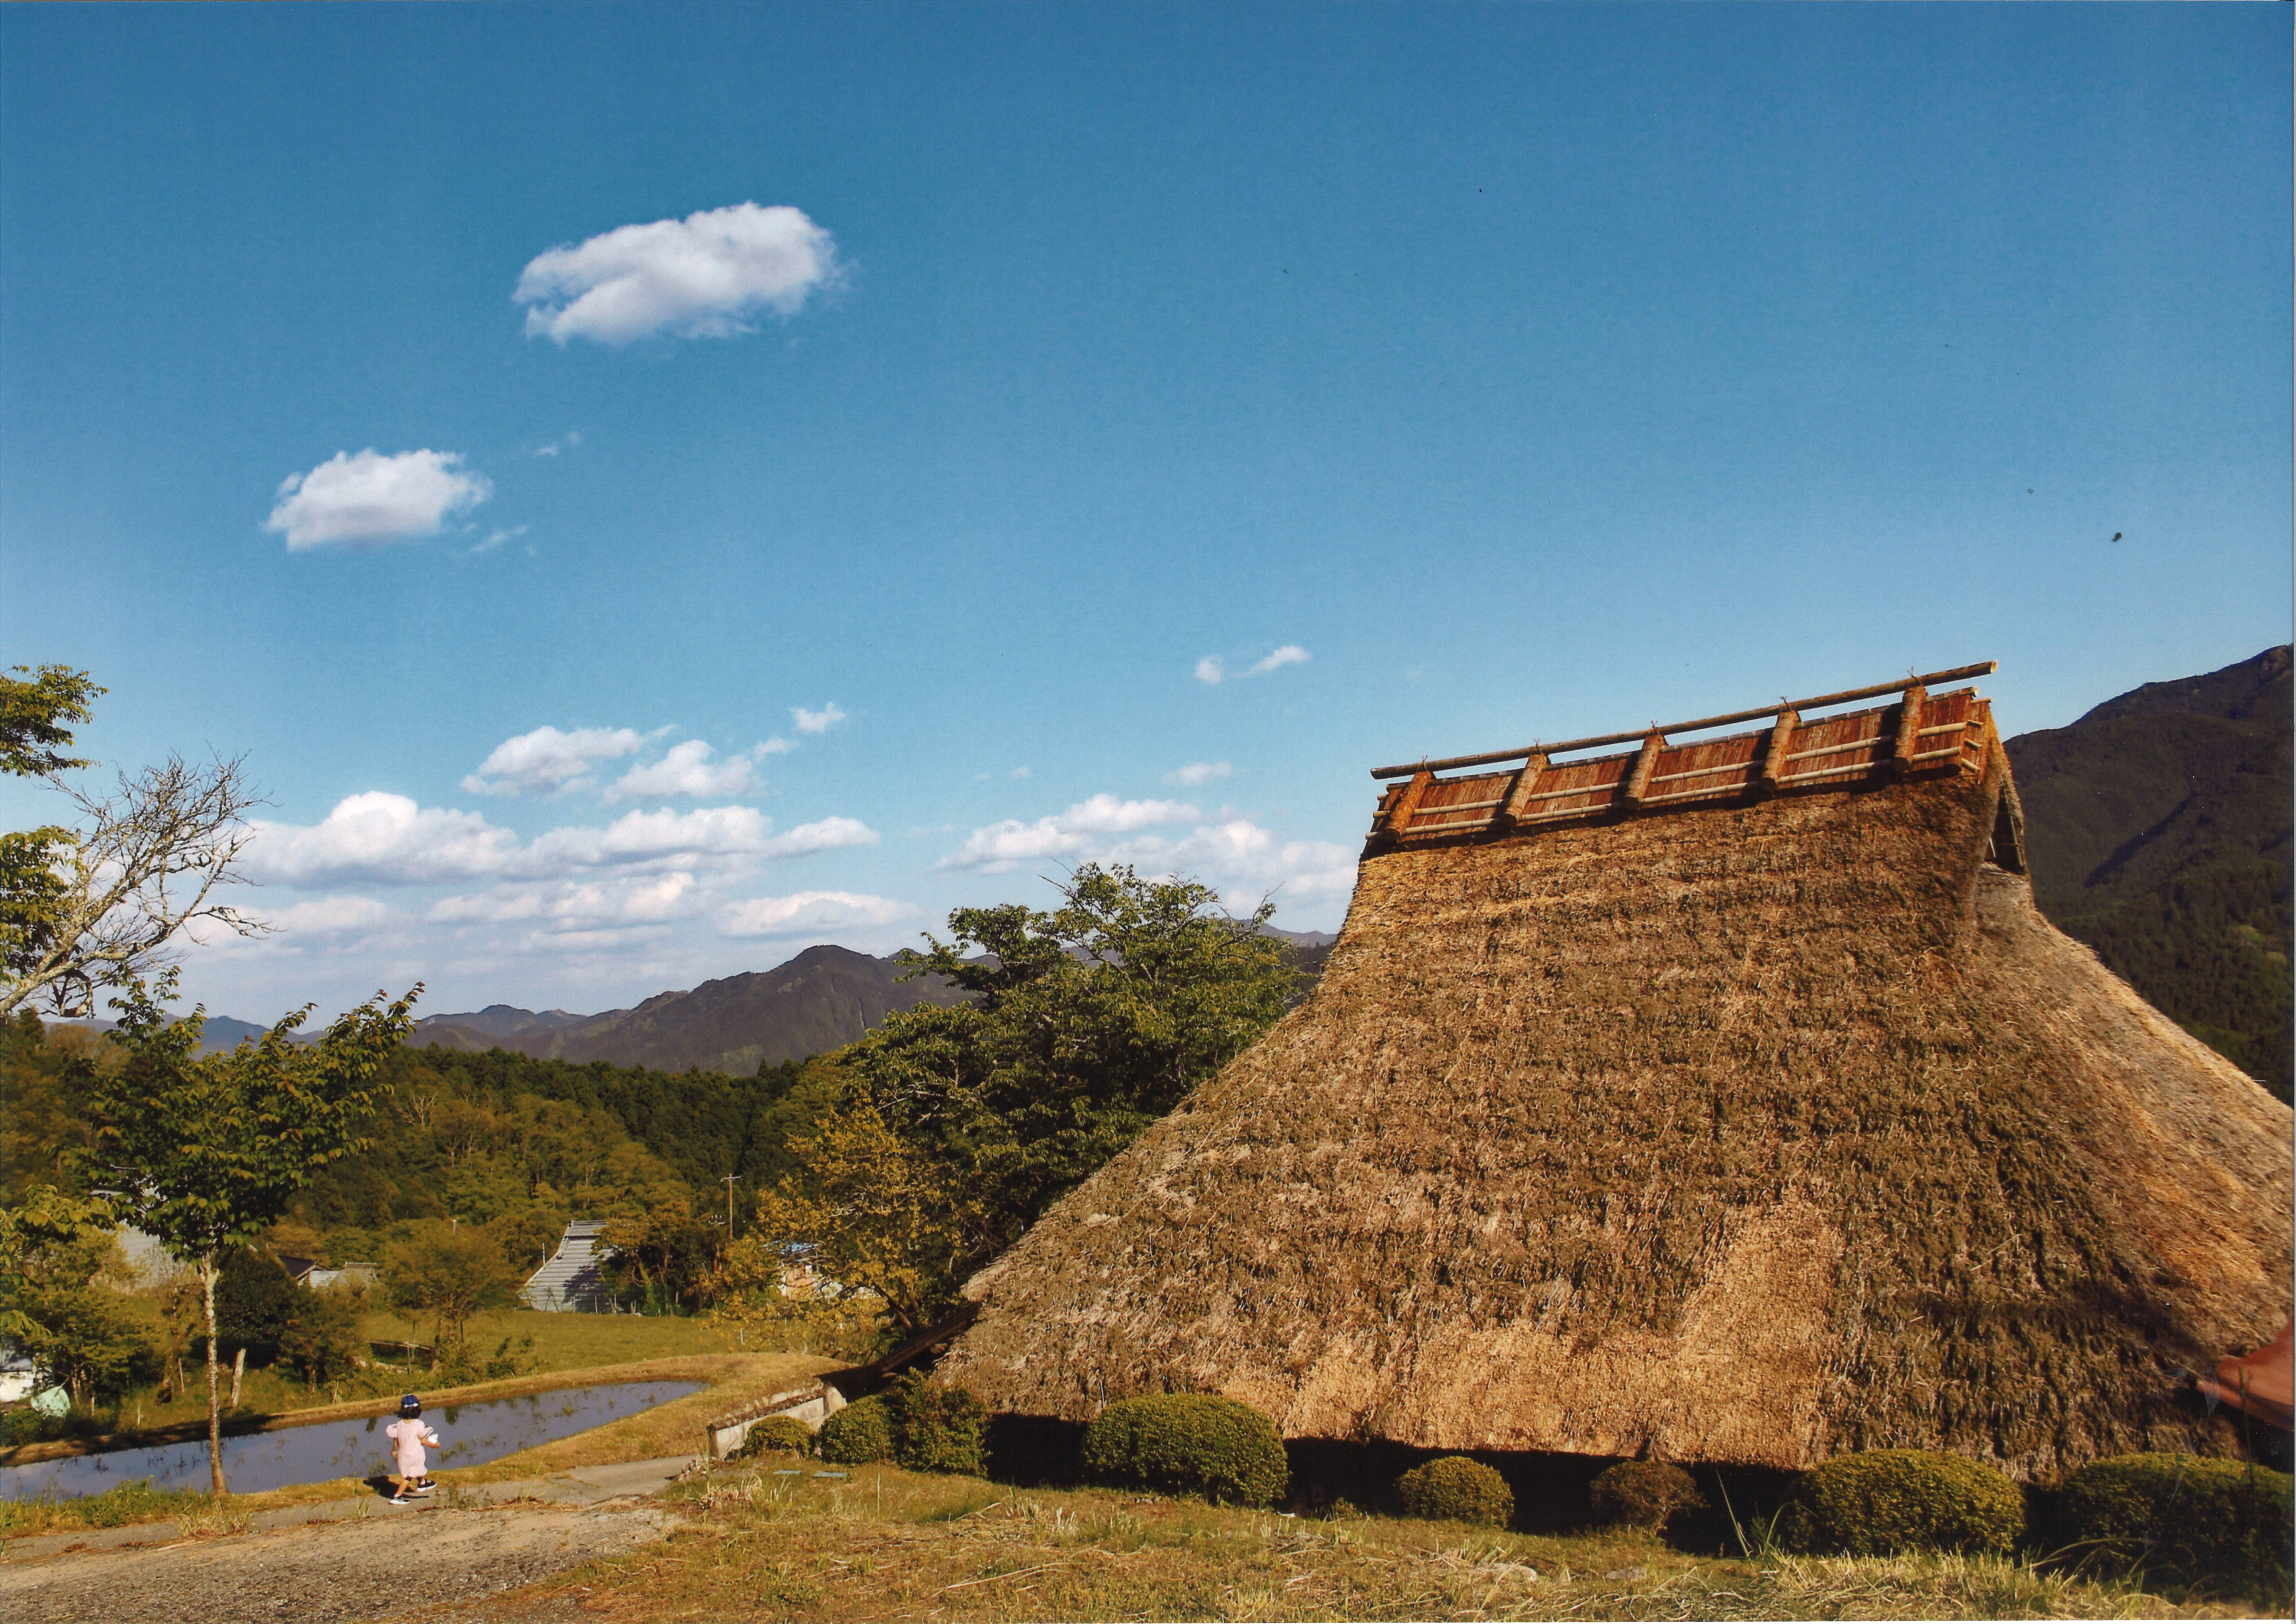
[(410, 1406)]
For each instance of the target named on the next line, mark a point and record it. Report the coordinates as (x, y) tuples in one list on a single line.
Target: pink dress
[(409, 1436)]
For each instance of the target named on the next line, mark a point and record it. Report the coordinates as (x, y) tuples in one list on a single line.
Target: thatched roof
[(1751, 1126)]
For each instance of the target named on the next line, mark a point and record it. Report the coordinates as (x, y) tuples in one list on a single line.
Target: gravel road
[(376, 1568)]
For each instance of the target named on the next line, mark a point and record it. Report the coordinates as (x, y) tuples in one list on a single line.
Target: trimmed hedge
[(860, 1433), (1453, 1489), (935, 1429), (775, 1435), (1886, 1501), (1644, 1494), (1189, 1443), (2182, 1520)]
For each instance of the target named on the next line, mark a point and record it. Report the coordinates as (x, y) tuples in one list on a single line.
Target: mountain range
[(823, 998), (2158, 827)]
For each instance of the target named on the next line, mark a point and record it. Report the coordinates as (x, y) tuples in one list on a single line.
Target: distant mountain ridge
[(2159, 828), (823, 998)]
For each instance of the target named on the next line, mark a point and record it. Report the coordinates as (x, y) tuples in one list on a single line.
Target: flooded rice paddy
[(469, 1435)]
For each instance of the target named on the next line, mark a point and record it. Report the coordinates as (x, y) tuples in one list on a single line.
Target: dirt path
[(339, 1561)]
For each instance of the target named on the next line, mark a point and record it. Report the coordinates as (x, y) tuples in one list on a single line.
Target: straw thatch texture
[(1753, 1133)]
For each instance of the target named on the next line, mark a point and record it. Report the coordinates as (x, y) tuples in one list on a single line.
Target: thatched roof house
[(1725, 1101)]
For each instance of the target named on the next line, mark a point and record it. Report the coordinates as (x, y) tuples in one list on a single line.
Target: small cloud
[(367, 497), (497, 539), (1199, 772), (702, 277), (816, 721), (687, 770), (564, 442), (547, 762), (999, 846), (809, 911), (774, 746), (1211, 670), (1020, 772)]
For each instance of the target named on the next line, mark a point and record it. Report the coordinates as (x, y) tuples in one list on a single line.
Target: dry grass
[(1753, 1133), (886, 1543)]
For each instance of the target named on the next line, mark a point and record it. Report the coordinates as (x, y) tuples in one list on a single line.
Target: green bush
[(1887, 1501), (860, 1433), (1454, 1488), (1189, 1443), (935, 1429), (775, 1435), (2181, 1519), (1644, 1494)]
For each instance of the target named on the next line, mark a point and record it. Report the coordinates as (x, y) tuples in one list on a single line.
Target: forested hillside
[(822, 999), (2158, 830), (514, 1144)]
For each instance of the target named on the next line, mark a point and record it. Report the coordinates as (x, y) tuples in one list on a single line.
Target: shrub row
[(913, 1423), (2178, 1519)]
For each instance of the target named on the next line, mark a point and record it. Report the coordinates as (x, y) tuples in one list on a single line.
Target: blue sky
[(906, 404)]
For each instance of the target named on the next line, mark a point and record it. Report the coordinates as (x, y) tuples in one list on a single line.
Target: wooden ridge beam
[(1405, 769)]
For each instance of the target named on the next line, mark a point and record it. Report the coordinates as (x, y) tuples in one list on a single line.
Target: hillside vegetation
[(2158, 831)]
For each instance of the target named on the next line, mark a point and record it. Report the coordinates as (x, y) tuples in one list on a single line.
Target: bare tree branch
[(141, 870)]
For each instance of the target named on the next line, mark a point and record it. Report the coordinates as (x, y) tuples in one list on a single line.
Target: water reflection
[(470, 1435)]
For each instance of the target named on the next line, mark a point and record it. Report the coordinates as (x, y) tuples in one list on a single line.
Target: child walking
[(408, 1435)]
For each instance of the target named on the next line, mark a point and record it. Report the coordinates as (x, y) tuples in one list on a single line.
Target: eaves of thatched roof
[(1752, 1127)]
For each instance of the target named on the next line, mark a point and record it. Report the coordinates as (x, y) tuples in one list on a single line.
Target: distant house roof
[(571, 1281)]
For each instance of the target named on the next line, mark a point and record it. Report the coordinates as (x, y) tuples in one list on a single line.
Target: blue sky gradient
[(1533, 371)]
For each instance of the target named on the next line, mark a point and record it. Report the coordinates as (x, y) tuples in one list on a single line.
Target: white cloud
[(1199, 772), (578, 905), (687, 770), (1001, 847), (816, 721), (564, 442), (389, 840), (805, 911), (498, 537), (704, 276), (1242, 858), (369, 497), (547, 761), (379, 836), (1212, 671)]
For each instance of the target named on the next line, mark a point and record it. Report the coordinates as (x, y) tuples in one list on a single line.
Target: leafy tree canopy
[(1088, 1023), (37, 718)]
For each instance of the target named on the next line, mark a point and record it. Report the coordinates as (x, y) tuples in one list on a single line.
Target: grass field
[(565, 1341), (886, 1543)]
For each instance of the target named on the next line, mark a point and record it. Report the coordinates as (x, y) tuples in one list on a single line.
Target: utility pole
[(729, 1181)]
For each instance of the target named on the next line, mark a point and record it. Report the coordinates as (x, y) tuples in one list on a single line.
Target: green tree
[(207, 1154), (81, 1335), (1087, 1024), (320, 1341), (35, 718), (449, 1273)]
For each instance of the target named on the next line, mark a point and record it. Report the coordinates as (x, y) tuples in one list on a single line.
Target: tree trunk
[(238, 1376), (209, 1271)]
